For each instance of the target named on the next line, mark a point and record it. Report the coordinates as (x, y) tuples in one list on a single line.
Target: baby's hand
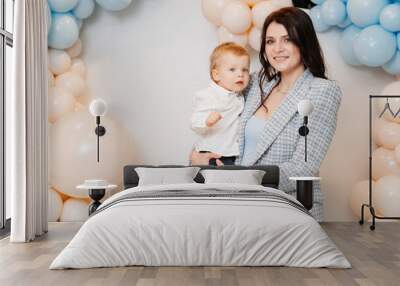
[(213, 118)]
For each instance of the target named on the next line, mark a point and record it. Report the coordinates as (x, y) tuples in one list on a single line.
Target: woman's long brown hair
[(301, 32)]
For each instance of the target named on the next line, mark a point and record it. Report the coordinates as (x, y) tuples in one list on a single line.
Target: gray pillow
[(163, 176), (248, 177)]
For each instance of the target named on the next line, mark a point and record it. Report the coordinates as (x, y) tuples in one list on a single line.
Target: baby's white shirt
[(222, 137)]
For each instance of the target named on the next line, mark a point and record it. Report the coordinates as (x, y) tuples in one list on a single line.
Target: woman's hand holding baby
[(213, 118)]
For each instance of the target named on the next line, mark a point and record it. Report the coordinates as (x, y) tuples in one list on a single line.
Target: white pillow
[(249, 177), (163, 176)]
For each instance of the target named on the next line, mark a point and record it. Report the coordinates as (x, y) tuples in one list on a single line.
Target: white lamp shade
[(98, 107), (305, 107)]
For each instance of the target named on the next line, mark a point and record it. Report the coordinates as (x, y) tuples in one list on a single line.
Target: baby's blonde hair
[(223, 49)]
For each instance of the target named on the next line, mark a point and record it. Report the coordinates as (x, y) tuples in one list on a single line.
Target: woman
[(292, 69)]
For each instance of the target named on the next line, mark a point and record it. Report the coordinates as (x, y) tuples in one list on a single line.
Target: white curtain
[(26, 123)]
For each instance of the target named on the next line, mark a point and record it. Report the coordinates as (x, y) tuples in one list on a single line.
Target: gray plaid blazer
[(280, 143)]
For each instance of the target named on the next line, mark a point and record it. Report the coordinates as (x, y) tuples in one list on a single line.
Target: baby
[(217, 108)]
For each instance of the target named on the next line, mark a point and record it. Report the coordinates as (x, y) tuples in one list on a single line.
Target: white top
[(221, 138), (305, 178), (96, 184)]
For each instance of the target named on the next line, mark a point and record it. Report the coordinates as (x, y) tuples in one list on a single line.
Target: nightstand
[(304, 190), (97, 189)]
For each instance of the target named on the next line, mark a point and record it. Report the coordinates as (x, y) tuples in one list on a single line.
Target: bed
[(201, 224)]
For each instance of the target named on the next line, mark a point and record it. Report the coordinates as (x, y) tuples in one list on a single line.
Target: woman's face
[(281, 52)]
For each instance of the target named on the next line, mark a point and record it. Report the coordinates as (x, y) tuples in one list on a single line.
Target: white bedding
[(200, 231)]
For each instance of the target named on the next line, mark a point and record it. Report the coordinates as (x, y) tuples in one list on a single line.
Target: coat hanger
[(387, 107)]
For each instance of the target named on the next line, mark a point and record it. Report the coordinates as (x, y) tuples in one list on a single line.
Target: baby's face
[(232, 72)]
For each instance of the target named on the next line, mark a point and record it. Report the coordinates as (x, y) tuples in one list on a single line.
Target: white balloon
[(387, 195), (282, 3), (59, 61), (55, 205), (255, 38), (261, 11), (212, 10), (236, 17), (75, 50), (391, 89), (360, 195), (78, 67), (225, 36), (75, 210), (71, 82), (60, 103), (384, 164), (72, 152)]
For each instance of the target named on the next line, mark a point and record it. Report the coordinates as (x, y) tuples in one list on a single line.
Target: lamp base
[(100, 130), (96, 195)]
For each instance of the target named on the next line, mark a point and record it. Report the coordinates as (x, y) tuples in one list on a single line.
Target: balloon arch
[(370, 36)]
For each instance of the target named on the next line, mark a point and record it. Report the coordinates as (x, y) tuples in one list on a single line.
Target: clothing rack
[(370, 203)]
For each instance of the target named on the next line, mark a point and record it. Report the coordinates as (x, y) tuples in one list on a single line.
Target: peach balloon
[(387, 195), (236, 17), (75, 50), (212, 10), (360, 195), (78, 67), (255, 38), (71, 82), (55, 205), (391, 89), (75, 210), (72, 152), (60, 103), (50, 78), (397, 154), (260, 12), (378, 124), (59, 61), (388, 133), (225, 36), (251, 3), (384, 164)]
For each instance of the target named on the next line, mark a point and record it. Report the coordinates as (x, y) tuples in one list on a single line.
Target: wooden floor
[(375, 257)]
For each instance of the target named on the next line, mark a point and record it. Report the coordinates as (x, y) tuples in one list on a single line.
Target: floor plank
[(374, 255)]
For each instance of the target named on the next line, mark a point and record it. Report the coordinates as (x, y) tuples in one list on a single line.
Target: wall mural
[(72, 141), (370, 37)]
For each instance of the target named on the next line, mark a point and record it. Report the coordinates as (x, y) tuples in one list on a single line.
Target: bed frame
[(270, 179)]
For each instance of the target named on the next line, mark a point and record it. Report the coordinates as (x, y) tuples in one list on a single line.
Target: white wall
[(148, 60)]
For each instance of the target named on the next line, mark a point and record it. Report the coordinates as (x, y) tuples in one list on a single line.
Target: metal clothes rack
[(370, 203)]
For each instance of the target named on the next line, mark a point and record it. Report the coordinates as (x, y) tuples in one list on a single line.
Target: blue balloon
[(398, 41), (114, 5), (316, 17), (333, 12), (318, 2), (62, 5), (390, 17), (64, 31), (346, 44), (347, 22), (375, 46), (364, 13), (393, 66), (84, 9), (48, 22)]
